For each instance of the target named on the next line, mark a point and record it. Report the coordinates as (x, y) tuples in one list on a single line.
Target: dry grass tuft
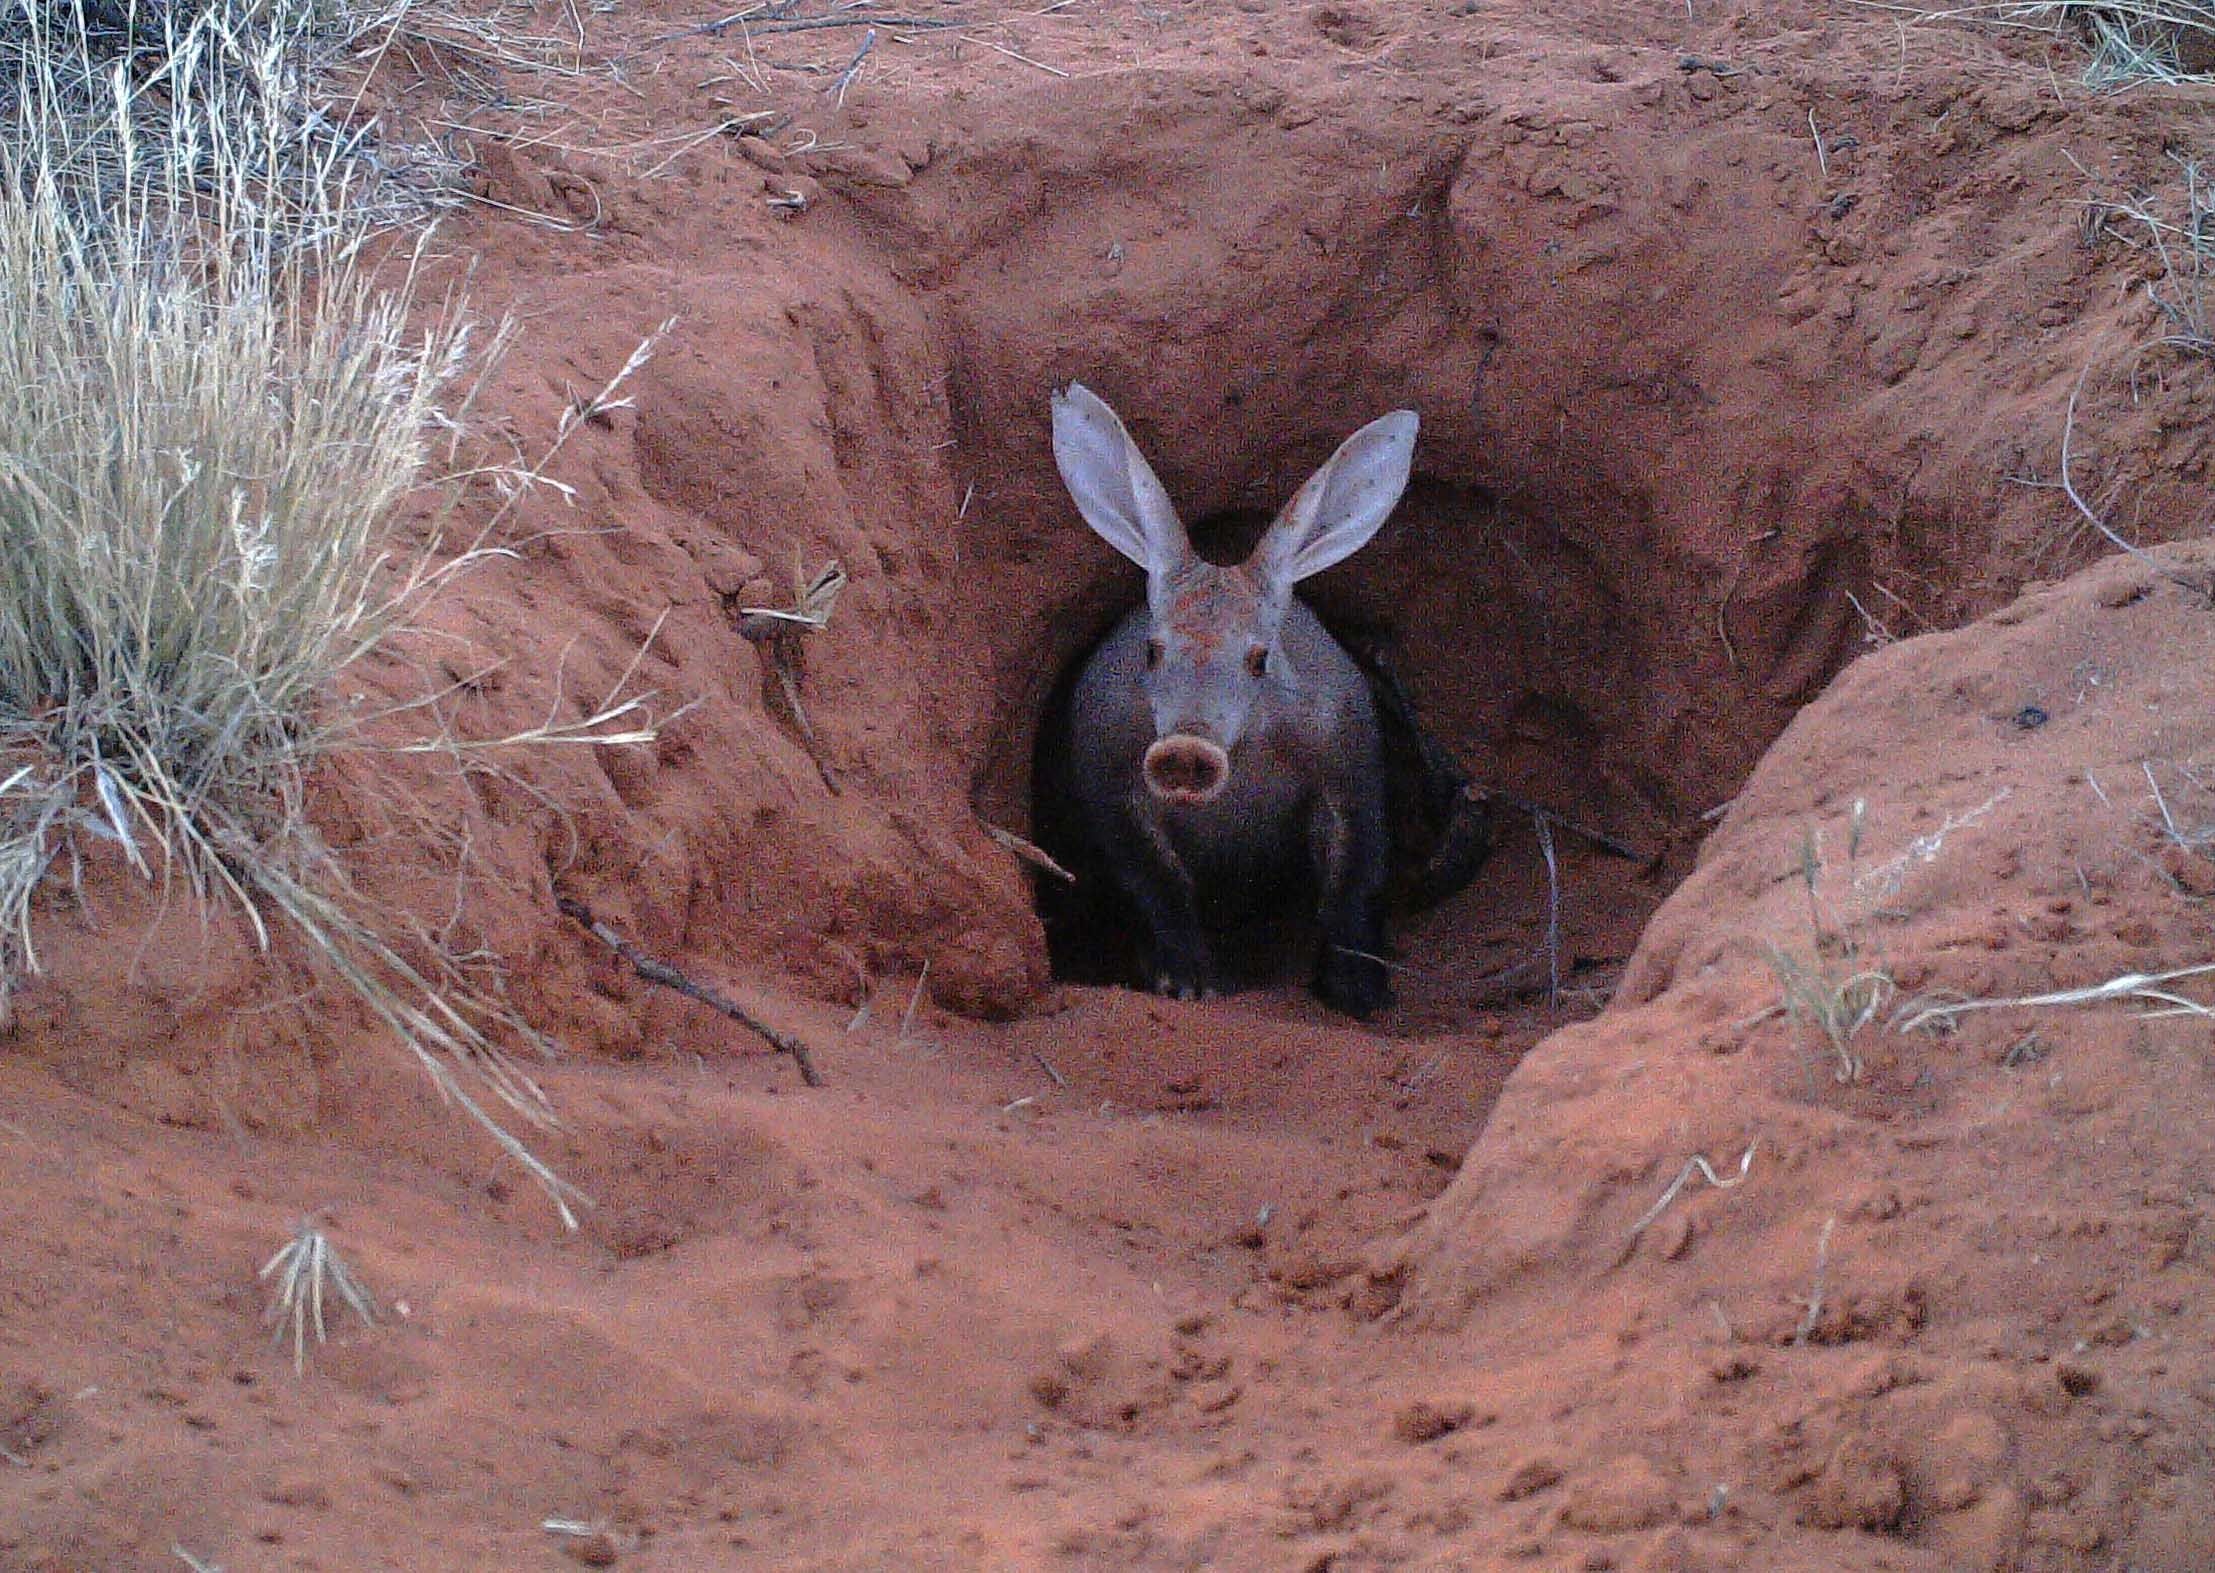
[(1831, 989), (2133, 41), (209, 403), (2129, 42), (2177, 227), (1836, 1002), (104, 97), (306, 1268)]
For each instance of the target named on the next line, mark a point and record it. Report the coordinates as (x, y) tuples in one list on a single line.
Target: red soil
[(1742, 344)]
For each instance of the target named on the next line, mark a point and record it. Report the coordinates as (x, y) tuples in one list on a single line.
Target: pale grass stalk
[(2152, 989)]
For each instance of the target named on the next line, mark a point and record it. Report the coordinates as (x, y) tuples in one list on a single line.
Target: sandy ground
[(1743, 339)]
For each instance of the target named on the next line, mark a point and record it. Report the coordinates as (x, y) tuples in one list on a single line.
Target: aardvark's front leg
[(1149, 871)]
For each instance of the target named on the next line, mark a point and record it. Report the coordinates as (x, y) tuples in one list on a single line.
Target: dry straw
[(209, 403), (2129, 41), (305, 1271)]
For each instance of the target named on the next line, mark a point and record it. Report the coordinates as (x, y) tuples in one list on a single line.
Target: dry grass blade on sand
[(2150, 989)]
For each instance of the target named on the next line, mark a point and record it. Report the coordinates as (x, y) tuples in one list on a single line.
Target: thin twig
[(781, 663), (669, 977), (1047, 1066), (852, 21), (813, 600), (1822, 158), (1815, 1290), (1599, 838), (837, 89), (709, 28), (722, 128), (1016, 54), (1030, 852), (1553, 910), (2068, 487), (907, 1017), (2162, 803)]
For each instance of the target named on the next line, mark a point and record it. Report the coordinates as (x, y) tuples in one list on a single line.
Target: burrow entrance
[(1633, 547)]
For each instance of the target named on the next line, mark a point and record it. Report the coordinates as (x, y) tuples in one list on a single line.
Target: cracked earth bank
[(1743, 346)]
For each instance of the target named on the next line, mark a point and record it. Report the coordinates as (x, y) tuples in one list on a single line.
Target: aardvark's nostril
[(1186, 769)]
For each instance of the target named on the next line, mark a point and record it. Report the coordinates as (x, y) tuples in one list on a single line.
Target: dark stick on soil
[(721, 25), (852, 21), (669, 977), (781, 639), (837, 89), (1599, 838), (1446, 781)]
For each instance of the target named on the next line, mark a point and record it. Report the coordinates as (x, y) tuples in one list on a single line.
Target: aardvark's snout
[(1181, 768)]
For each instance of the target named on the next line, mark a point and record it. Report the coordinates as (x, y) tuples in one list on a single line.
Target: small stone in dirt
[(1086, 1356), (1194, 1364), (1859, 1488), (2078, 1381), (30, 1415), (1627, 1493), (2124, 590), (1966, 1456), (1212, 1398), (763, 154), (1668, 1552), (1425, 1421), (2112, 1333), (1733, 1366), (1529, 1477), (1374, 1297), (1988, 1536), (2190, 869), (1309, 1269), (1341, 1505), (594, 1551), (298, 1491)]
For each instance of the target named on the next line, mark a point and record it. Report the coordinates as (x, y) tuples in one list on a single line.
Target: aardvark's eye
[(1257, 660), (1154, 653)]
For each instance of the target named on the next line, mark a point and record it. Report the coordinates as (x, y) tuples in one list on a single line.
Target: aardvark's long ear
[(1342, 504), (1114, 487)]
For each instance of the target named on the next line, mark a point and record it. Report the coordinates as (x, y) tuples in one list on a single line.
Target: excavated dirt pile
[(1743, 347)]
